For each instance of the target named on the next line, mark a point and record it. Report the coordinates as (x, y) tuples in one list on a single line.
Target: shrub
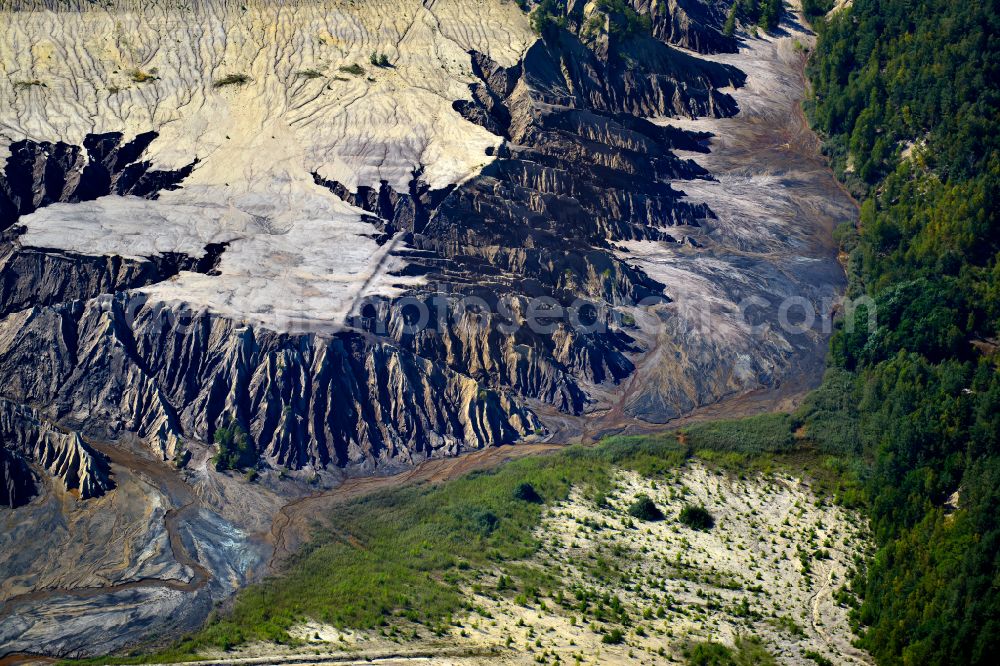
[(730, 26), (817, 657), (788, 625), (232, 80), (139, 76), (709, 654), (746, 651), (613, 637), (696, 517), (548, 16), (355, 69), (644, 508), (182, 458), (527, 493)]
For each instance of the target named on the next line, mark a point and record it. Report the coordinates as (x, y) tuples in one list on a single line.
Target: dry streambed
[(623, 590)]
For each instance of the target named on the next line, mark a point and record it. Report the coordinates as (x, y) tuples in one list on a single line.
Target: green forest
[(763, 13), (905, 96)]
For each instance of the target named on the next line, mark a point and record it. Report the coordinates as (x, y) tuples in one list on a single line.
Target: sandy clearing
[(768, 569)]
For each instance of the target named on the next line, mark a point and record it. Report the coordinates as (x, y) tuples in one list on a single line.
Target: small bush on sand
[(232, 80), (696, 517), (644, 508), (355, 69)]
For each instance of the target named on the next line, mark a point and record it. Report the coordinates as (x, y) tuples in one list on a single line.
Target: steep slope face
[(16, 480), (177, 362), (578, 172), (60, 455), (193, 250), (689, 23), (37, 174), (571, 170), (306, 400)]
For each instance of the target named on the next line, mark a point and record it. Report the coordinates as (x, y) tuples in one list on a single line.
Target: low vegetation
[(232, 80), (354, 69), (696, 517), (408, 554), (747, 652), (402, 553), (766, 433)]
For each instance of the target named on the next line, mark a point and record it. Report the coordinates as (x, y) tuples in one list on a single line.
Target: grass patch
[(766, 433), (746, 652), (309, 74)]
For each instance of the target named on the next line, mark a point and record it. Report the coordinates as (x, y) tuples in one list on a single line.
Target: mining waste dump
[(320, 232)]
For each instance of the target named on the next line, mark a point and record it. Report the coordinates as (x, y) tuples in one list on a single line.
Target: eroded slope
[(224, 214)]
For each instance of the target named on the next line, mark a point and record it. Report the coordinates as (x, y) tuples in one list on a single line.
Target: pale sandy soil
[(298, 258), (769, 568)]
